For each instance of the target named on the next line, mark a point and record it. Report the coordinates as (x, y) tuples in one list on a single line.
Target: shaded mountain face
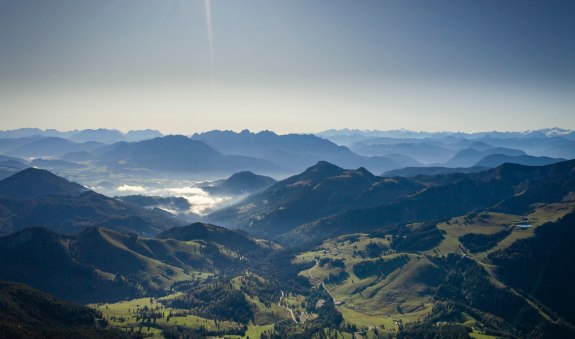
[(177, 154), (241, 183), (294, 152), (28, 313), (34, 183), (470, 157), (99, 264), (320, 191), (495, 160), (539, 265), (233, 239), (42, 259), (35, 197), (508, 188)]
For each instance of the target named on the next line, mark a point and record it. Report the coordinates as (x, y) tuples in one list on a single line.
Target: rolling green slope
[(99, 264), (517, 285)]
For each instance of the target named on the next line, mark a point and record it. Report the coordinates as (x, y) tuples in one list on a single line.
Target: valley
[(328, 252)]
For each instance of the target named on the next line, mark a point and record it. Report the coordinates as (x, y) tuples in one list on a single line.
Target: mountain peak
[(363, 171), (34, 183), (324, 167)]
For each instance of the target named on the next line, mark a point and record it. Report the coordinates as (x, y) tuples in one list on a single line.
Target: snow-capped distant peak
[(550, 132)]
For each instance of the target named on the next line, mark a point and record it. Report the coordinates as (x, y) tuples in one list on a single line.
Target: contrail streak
[(209, 29), (208, 7)]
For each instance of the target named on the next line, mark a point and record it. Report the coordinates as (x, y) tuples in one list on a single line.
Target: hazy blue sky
[(288, 66)]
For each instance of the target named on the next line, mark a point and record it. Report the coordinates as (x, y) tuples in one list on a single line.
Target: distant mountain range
[(99, 135), (437, 148), (294, 152), (422, 152), (405, 133), (44, 146), (222, 153)]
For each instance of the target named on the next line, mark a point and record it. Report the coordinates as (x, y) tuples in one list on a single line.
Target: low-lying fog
[(200, 201)]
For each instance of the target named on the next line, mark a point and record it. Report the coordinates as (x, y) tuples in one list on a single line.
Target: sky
[(183, 66)]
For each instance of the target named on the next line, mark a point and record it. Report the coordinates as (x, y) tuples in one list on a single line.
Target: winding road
[(320, 281), (287, 308)]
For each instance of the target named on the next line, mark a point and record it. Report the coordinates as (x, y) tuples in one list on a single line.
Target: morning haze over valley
[(287, 169)]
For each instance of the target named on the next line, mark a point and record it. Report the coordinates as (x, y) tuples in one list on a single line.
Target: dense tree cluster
[(333, 263), (475, 242), (217, 300), (336, 278), (422, 238), (375, 249), (380, 267)]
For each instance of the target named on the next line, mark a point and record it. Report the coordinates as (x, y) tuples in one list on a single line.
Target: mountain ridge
[(35, 197), (508, 188)]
